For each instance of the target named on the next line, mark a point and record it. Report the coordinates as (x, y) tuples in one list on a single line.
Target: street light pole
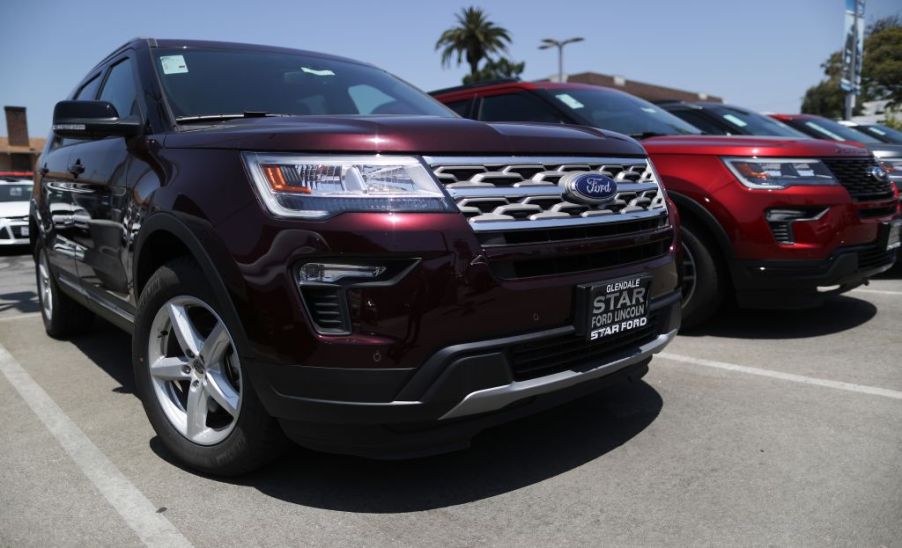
[(559, 44)]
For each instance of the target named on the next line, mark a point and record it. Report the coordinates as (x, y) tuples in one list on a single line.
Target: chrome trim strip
[(437, 161), (536, 190), (125, 315), (501, 226), (491, 399)]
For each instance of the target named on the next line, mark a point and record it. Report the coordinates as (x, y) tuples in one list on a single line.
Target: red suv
[(779, 222), (304, 244)]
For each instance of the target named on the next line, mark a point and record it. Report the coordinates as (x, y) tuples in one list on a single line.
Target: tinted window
[(823, 128), (460, 107), (886, 134), (700, 120), (119, 89), (619, 112), (745, 122), (198, 82), (15, 193), (517, 107), (88, 91)]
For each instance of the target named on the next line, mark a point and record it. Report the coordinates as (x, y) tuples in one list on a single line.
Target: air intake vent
[(327, 309)]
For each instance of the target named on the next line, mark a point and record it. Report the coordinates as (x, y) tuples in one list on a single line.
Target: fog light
[(332, 273)]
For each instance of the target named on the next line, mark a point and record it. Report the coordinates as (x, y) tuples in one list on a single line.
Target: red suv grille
[(854, 174)]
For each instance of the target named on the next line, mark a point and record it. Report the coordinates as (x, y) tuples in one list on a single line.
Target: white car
[(15, 194)]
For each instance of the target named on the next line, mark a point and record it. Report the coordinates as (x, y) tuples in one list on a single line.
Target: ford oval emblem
[(879, 174), (588, 188)]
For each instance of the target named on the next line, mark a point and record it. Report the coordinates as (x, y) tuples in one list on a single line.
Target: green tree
[(496, 69), (881, 72), (473, 39)]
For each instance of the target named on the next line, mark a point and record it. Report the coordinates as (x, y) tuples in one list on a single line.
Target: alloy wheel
[(44, 286), (195, 370)]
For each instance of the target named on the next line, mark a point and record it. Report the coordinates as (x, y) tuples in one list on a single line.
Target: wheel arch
[(695, 213), (165, 236)]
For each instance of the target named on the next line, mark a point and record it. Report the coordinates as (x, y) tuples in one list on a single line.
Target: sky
[(761, 54)]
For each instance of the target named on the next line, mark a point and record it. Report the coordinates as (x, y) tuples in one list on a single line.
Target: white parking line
[(838, 385), (878, 291), (139, 513)]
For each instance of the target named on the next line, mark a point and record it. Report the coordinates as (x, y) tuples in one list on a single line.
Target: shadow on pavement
[(836, 315), (501, 460), (14, 250), (23, 301), (111, 349), (894, 273)]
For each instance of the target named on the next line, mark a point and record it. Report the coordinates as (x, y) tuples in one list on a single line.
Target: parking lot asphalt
[(765, 428)]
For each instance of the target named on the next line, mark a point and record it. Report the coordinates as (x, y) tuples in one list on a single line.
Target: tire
[(62, 315), (704, 282), (227, 432)]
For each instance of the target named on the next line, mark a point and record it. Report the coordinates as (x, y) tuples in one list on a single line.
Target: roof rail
[(475, 85)]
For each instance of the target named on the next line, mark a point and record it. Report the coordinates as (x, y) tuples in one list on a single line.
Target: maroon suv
[(305, 244)]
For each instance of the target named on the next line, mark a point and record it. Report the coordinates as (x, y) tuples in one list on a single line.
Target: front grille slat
[(519, 181), (516, 201), (853, 174)]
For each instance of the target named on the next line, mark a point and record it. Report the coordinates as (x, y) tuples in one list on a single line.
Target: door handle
[(76, 168)]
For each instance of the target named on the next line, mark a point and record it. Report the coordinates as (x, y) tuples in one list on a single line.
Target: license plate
[(893, 240), (23, 231), (615, 307)]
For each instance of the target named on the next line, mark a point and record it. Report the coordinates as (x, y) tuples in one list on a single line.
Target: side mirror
[(91, 120)]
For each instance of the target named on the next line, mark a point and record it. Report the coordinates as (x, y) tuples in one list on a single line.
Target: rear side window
[(120, 90), (460, 107), (517, 107)]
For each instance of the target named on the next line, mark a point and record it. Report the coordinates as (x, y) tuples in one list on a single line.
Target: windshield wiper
[(223, 117)]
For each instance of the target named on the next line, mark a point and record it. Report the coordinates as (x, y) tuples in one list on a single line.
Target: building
[(18, 152), (649, 92)]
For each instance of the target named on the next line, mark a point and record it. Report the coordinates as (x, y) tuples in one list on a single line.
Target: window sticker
[(735, 120), (324, 72), (569, 100), (173, 64), (878, 131)]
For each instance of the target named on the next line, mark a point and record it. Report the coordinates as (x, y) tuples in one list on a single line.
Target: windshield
[(620, 112), (212, 82), (829, 129), (887, 134), (745, 122), (15, 192)]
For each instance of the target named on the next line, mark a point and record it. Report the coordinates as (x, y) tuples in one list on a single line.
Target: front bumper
[(14, 231), (465, 383), (799, 284)]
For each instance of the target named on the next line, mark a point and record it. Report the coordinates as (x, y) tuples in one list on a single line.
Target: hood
[(743, 145), (402, 134), (14, 209)]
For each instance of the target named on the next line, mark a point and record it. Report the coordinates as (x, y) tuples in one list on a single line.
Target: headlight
[(315, 187), (776, 173), (893, 168)]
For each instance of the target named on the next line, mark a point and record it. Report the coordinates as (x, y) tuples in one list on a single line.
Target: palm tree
[(474, 38)]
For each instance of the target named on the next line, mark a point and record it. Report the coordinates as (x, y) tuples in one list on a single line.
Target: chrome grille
[(515, 193)]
